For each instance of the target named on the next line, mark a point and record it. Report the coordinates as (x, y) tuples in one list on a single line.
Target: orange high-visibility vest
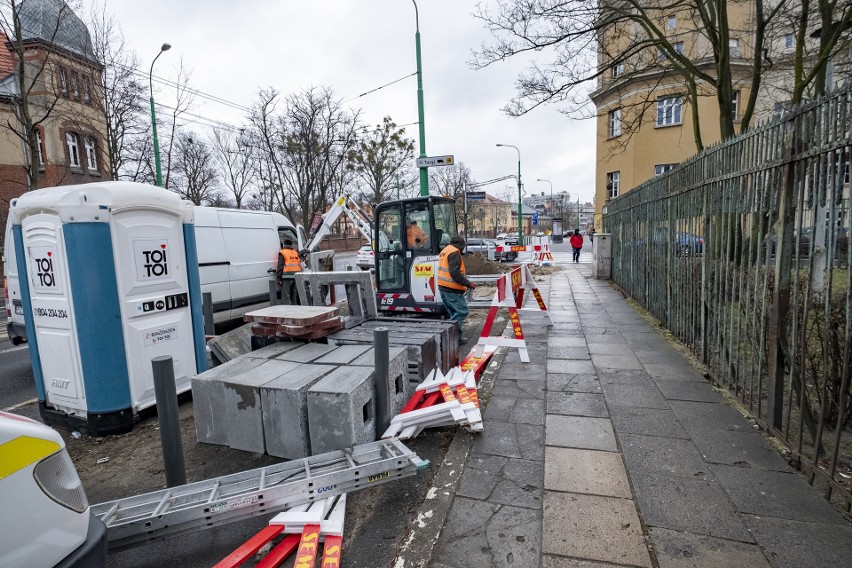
[(292, 262), (444, 277)]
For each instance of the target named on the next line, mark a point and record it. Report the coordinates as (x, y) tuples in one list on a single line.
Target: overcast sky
[(236, 47)]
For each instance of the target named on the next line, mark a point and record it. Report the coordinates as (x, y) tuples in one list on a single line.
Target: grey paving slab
[(688, 390), (695, 416), (549, 561), (580, 432), (585, 471), (646, 396), (676, 549), (674, 372), (586, 382), (593, 527), (612, 346), (520, 484), (577, 404), (738, 448), (775, 494), (669, 456), (566, 341), (523, 371), (530, 441), (481, 475), (793, 544), (499, 439), (612, 361), (559, 352), (498, 409), (648, 421), (485, 535), (627, 376), (519, 389), (690, 505), (569, 367), (528, 411), (659, 356)]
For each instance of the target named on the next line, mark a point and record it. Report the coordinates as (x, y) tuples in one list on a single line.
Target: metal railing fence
[(743, 253)]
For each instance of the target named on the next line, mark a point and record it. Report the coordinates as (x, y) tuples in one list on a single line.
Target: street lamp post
[(551, 202), (520, 211), (424, 172), (158, 171)]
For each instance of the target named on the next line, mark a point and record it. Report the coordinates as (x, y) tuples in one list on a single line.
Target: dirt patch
[(475, 264)]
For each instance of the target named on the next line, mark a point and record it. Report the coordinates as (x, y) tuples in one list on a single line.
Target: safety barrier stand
[(510, 294), (540, 253), (305, 527)]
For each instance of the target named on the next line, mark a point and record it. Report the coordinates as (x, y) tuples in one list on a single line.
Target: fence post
[(167, 414), (381, 354)]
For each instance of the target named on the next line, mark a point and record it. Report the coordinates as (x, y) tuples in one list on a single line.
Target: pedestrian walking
[(453, 283), (576, 241), (289, 264)]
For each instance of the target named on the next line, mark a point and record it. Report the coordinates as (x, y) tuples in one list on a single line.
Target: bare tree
[(235, 157), (381, 159), (450, 180), (184, 99), (195, 173)]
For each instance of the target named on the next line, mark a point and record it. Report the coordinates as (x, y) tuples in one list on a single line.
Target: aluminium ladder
[(133, 521)]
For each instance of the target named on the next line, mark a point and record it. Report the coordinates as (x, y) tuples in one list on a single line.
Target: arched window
[(73, 142)]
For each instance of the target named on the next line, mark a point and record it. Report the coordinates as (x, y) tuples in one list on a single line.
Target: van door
[(251, 244), (15, 326)]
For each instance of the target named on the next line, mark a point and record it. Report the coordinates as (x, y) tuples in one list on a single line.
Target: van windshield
[(287, 234)]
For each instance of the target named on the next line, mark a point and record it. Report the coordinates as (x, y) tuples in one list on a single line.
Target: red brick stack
[(295, 322)]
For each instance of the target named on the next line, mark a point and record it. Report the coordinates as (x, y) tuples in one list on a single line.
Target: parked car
[(480, 246), (507, 239), (689, 245), (366, 258)]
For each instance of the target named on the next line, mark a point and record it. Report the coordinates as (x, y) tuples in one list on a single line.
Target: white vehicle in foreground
[(46, 520)]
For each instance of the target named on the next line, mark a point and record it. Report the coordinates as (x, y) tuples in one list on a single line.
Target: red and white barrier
[(539, 253)]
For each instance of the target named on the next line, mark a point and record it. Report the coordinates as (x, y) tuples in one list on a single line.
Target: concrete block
[(343, 355), (307, 353), (342, 409), (284, 402), (208, 400), (423, 352), (231, 345), (274, 350), (244, 411), (448, 332), (401, 387)]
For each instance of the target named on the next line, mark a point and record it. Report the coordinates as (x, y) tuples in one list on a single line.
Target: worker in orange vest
[(453, 283), (289, 264), (417, 237)]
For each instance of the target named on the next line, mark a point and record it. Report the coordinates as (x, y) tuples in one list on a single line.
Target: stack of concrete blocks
[(447, 330), (342, 409)]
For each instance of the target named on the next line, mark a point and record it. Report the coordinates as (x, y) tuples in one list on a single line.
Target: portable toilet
[(109, 281)]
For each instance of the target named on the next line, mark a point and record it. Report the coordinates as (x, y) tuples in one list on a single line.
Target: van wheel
[(18, 340)]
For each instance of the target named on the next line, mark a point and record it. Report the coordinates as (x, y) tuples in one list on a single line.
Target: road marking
[(13, 349), (15, 407)]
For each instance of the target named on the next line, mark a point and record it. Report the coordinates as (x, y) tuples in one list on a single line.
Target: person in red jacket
[(576, 241)]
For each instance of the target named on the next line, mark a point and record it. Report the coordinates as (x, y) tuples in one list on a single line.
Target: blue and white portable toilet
[(109, 281)]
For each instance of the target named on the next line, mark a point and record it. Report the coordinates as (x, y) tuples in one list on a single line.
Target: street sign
[(535, 218), (435, 161), (476, 196)]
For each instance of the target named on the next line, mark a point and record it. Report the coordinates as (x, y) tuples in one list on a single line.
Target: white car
[(366, 258)]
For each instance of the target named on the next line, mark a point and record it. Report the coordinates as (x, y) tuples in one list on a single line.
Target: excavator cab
[(409, 236)]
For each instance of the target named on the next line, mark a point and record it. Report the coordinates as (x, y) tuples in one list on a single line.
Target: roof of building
[(53, 22)]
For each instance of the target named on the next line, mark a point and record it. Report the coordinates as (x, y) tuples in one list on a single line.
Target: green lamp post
[(158, 171), (424, 172), (520, 210)]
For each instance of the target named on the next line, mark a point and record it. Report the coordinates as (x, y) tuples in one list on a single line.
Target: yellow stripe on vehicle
[(17, 454)]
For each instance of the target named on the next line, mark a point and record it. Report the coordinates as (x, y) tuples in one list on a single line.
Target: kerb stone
[(399, 386), (342, 409)]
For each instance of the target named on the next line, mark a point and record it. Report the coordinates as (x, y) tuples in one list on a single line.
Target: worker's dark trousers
[(456, 306), (289, 294)]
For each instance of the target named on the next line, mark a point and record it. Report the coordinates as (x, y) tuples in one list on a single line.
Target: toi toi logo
[(44, 271), (156, 263)]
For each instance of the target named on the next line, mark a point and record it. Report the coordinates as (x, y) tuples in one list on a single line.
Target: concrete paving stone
[(532, 371), (686, 550), (580, 432), (577, 404), (566, 341), (343, 355), (793, 544), (306, 353), (610, 361), (568, 353), (672, 502), (585, 471), (646, 396), (775, 494), (481, 475), (593, 527), (539, 355), (659, 422), (612, 348), (569, 367), (573, 383), (493, 536), (694, 391), (738, 449), (638, 328), (601, 332), (669, 456), (520, 484), (519, 389), (548, 561), (498, 409), (565, 329), (646, 341), (674, 372), (696, 416), (530, 441), (528, 411), (274, 350), (499, 439), (661, 356), (628, 376)]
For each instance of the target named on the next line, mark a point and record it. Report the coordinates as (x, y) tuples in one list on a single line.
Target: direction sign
[(476, 196), (435, 161), (535, 218)]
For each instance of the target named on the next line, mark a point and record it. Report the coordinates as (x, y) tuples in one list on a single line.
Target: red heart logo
[(49, 253), (162, 246)]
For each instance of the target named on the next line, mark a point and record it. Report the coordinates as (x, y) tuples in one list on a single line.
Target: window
[(788, 41), (73, 143), (39, 147), (87, 89), (734, 47), (91, 154), (671, 23), (612, 184), (660, 169), (618, 69), (75, 85), (780, 108), (615, 123), (63, 81), (735, 105), (669, 110), (678, 47)]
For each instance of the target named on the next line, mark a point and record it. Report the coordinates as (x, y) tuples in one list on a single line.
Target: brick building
[(61, 93)]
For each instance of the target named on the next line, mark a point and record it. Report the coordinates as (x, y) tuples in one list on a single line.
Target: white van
[(237, 249)]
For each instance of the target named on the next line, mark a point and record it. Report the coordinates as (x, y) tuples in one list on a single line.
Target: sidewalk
[(610, 449)]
